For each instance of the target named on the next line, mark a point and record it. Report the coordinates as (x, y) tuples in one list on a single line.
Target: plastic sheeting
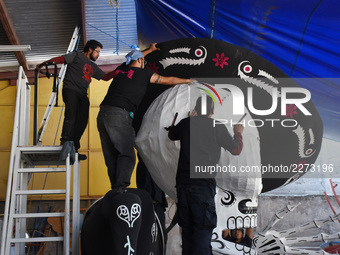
[(302, 38)]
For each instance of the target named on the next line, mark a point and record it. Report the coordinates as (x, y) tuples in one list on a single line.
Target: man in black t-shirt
[(117, 110), (196, 204), (80, 69)]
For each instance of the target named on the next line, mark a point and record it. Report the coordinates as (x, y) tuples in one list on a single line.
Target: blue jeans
[(197, 217), (117, 137)]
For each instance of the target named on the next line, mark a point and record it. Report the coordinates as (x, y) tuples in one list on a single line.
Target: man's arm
[(168, 80), (151, 48), (57, 60), (236, 145), (225, 233), (233, 144), (249, 232), (238, 139), (109, 75), (158, 79), (172, 126), (175, 132)]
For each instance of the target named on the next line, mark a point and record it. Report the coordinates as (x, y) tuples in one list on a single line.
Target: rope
[(134, 46), (303, 36), (117, 34), (116, 4)]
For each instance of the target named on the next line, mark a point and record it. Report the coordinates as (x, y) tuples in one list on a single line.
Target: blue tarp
[(300, 37)]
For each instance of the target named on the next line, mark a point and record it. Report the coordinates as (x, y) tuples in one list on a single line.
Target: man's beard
[(92, 58)]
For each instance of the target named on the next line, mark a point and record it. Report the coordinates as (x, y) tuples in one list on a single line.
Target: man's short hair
[(92, 44), (209, 107)]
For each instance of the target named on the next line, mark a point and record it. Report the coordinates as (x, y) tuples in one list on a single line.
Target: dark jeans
[(76, 116), (117, 137), (197, 217)]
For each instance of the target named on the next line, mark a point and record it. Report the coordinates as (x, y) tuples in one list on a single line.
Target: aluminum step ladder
[(23, 155), (26, 158)]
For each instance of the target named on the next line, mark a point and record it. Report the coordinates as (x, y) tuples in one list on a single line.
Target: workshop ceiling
[(47, 26)]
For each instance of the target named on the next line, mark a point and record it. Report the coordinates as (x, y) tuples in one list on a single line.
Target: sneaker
[(82, 156), (68, 148)]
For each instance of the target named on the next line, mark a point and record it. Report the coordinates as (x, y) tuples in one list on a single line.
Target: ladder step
[(37, 239), (40, 192), (38, 215), (40, 149), (41, 170)]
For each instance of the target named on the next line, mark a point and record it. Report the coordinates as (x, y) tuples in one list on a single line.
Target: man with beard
[(80, 69)]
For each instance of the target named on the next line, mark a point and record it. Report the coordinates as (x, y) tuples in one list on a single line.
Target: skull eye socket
[(247, 69), (309, 151), (198, 53)]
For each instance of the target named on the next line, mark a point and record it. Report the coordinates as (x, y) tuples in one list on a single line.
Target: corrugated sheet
[(45, 25), (5, 57), (115, 28), (48, 26)]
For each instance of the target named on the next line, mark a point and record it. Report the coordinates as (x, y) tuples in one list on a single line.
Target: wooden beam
[(11, 34)]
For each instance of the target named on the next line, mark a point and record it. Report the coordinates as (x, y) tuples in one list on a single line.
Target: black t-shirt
[(128, 87), (79, 72), (201, 144)]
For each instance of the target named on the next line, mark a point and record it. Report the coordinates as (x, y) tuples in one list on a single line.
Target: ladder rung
[(38, 215), (40, 192), (37, 239), (40, 170), (40, 149)]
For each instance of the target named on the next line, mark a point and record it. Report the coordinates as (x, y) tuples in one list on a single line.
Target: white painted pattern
[(129, 216)]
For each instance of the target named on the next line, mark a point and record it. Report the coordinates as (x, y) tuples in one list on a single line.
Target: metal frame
[(76, 221), (5, 48), (18, 205), (16, 138), (20, 176)]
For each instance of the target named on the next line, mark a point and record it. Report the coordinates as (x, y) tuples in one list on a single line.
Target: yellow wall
[(94, 178), (7, 102)]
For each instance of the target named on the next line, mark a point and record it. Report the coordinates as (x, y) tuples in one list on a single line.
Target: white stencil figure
[(245, 68), (195, 57), (270, 241), (128, 245), (154, 232), (301, 135), (129, 216)]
